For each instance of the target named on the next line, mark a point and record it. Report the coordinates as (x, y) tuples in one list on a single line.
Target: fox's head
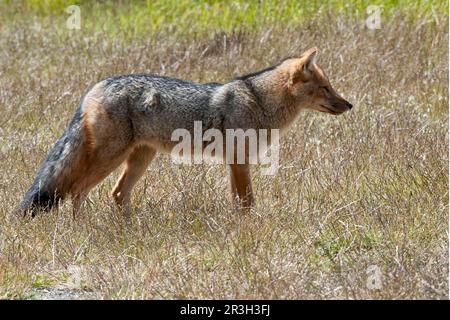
[(311, 88)]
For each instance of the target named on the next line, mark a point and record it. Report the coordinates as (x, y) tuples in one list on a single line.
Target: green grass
[(197, 18)]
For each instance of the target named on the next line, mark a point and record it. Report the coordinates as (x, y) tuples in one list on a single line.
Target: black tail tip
[(34, 203)]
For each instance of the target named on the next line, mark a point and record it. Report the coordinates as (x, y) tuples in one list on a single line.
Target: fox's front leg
[(241, 186)]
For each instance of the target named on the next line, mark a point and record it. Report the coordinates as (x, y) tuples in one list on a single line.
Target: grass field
[(358, 198)]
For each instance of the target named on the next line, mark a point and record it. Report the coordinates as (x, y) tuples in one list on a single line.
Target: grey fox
[(128, 119)]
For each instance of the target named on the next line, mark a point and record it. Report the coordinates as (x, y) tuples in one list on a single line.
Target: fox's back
[(171, 89)]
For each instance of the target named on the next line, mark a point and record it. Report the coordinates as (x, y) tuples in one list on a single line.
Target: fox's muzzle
[(341, 106)]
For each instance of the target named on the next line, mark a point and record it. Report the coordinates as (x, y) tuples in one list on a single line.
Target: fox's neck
[(276, 103)]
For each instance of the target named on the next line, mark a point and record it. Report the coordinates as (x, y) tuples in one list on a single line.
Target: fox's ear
[(309, 57), (303, 69)]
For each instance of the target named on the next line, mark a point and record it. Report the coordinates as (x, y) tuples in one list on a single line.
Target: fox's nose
[(349, 105)]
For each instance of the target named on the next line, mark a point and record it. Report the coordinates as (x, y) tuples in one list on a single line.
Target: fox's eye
[(325, 88)]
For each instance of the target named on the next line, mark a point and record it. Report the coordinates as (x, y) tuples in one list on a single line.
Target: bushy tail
[(52, 181)]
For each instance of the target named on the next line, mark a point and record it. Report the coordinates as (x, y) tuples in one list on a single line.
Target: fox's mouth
[(329, 110)]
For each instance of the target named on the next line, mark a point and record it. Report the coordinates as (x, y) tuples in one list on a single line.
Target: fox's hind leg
[(135, 166), (95, 163), (78, 202), (97, 169)]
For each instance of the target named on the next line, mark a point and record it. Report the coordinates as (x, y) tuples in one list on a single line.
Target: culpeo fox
[(128, 119)]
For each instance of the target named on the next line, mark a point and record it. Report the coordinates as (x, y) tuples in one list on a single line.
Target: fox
[(128, 119)]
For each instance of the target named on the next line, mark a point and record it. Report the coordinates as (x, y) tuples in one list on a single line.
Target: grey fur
[(157, 105)]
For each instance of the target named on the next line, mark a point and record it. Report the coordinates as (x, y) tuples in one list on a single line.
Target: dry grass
[(366, 188)]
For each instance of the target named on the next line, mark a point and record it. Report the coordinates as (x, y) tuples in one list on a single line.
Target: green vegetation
[(192, 17)]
